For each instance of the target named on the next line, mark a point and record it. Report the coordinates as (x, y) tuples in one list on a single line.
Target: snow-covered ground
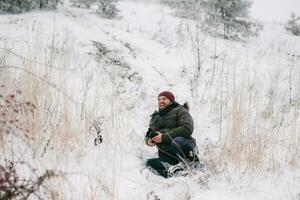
[(79, 68)]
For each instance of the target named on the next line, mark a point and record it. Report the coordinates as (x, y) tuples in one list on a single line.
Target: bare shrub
[(125, 80), (16, 114), (15, 186)]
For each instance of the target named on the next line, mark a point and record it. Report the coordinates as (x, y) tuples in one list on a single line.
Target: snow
[(159, 54), (274, 10)]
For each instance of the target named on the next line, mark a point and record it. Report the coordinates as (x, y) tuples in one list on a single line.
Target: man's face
[(163, 102)]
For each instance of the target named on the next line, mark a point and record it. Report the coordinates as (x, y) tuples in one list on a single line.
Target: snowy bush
[(293, 24), (107, 8), (15, 6), (47, 4), (125, 80), (83, 3)]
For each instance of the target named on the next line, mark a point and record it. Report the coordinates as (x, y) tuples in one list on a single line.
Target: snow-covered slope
[(81, 69)]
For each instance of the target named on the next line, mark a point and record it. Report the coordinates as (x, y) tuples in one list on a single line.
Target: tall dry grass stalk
[(261, 135), (67, 99), (42, 73)]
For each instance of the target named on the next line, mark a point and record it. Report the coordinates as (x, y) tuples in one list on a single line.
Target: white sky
[(279, 10)]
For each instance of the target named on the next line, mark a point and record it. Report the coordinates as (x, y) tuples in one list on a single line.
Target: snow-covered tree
[(185, 8), (15, 6), (230, 18), (225, 18), (293, 24), (19, 6)]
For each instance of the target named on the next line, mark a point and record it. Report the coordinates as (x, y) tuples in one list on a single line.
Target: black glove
[(151, 133)]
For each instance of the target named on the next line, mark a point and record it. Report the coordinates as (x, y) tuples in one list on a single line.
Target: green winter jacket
[(173, 121)]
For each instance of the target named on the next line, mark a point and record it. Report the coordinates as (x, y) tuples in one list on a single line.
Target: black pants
[(181, 149)]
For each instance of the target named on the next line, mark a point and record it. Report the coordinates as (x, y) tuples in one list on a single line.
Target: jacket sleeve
[(151, 125), (185, 127)]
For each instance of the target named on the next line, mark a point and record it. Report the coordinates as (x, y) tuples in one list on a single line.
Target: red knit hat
[(167, 94)]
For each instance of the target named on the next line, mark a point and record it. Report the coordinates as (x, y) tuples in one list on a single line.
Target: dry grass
[(38, 75), (68, 96), (260, 137)]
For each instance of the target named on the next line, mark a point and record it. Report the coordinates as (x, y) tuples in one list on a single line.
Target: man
[(170, 130)]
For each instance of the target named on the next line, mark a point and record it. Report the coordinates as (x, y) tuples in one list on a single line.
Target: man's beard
[(162, 106)]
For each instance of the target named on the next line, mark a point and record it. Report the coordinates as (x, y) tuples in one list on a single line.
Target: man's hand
[(150, 143), (157, 139)]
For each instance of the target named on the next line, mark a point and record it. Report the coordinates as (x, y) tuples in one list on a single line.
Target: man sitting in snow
[(170, 129)]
